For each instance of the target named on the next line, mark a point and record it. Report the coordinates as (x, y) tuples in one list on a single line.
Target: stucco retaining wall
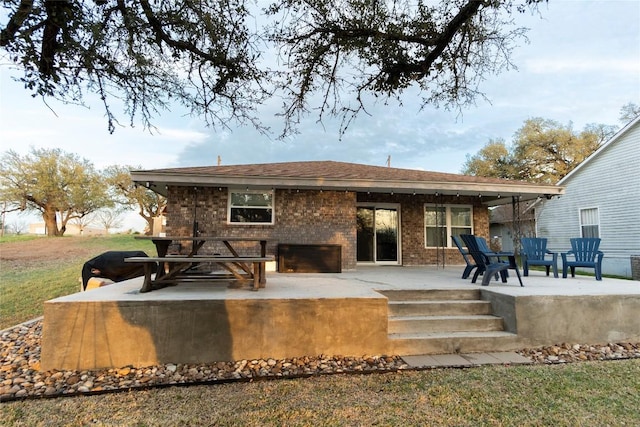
[(81, 335), (545, 320)]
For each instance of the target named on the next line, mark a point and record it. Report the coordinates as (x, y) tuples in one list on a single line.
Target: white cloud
[(182, 135), (582, 65)]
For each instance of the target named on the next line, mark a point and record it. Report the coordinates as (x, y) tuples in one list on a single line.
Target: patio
[(309, 314)]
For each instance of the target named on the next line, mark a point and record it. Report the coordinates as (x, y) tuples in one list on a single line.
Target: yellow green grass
[(24, 288), (580, 394)]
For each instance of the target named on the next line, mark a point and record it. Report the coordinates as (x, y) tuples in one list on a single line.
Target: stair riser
[(445, 325), (444, 345), (440, 309), (432, 294)]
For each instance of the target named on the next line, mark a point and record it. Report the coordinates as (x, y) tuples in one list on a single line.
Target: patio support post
[(440, 204), (517, 232)]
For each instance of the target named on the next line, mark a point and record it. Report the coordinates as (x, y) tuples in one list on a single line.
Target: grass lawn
[(579, 394), (36, 269)]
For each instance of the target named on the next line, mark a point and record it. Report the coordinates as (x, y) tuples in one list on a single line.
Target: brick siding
[(317, 217), (301, 217), (412, 228)]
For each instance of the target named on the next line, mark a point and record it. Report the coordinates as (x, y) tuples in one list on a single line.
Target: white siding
[(609, 181)]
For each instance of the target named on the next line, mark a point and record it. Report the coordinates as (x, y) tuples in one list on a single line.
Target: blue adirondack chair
[(534, 252), (483, 245), (585, 253), (466, 256), (488, 263)]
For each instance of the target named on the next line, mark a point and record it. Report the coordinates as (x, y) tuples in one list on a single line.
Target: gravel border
[(21, 378)]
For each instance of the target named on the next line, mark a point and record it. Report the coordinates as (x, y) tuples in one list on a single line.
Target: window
[(250, 207), (589, 222), (444, 221)]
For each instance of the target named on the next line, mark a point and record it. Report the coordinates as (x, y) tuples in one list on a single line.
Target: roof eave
[(492, 193)]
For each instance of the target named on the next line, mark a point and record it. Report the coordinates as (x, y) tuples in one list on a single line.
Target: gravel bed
[(21, 377)]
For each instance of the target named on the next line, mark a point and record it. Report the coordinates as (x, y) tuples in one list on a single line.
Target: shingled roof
[(342, 176)]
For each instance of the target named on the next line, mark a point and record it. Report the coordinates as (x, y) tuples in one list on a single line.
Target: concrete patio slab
[(364, 282), (309, 314)]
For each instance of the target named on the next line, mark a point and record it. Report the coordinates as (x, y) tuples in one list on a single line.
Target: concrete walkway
[(465, 360)]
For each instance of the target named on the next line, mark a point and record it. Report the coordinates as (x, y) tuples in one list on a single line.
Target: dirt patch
[(41, 252)]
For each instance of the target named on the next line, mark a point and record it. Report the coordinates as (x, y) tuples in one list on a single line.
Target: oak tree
[(542, 151), (493, 160), (145, 54), (59, 185), (215, 56), (349, 52), (124, 192)]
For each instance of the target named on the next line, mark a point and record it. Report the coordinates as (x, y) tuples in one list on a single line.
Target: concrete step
[(452, 342), (476, 323), (509, 358), (439, 308), (431, 294)]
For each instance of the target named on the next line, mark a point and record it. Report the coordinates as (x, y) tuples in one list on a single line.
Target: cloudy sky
[(582, 64)]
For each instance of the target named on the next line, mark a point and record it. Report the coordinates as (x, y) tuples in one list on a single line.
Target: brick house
[(376, 215)]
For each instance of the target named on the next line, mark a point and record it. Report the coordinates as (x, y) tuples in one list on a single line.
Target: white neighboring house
[(602, 199)]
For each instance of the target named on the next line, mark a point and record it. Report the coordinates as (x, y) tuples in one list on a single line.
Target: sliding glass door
[(378, 234)]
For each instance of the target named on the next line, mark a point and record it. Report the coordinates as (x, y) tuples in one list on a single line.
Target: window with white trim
[(441, 222), (589, 222), (250, 207)]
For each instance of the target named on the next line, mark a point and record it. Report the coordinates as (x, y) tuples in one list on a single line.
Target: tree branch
[(57, 14), (15, 22), (395, 72)]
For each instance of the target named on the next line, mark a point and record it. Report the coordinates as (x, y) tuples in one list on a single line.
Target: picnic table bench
[(174, 269), (182, 269)]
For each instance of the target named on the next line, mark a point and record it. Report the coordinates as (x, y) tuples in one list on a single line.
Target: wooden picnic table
[(173, 269)]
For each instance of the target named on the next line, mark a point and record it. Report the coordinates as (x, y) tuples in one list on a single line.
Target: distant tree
[(208, 54), (149, 204), (17, 227), (546, 151), (543, 151), (629, 112), (84, 222), (59, 185), (493, 160), (109, 219)]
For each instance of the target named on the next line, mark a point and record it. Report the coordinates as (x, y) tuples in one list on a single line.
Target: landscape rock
[(20, 375)]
